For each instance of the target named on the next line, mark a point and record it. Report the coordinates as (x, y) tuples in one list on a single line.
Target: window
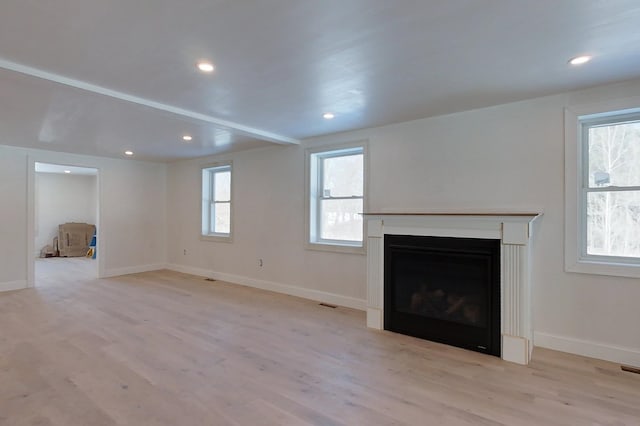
[(336, 180), (602, 196), (216, 202), (610, 201)]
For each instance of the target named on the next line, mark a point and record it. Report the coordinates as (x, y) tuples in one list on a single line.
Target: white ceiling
[(99, 77)]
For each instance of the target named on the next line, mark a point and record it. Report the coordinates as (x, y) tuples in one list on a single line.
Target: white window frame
[(205, 209), (576, 258), (312, 197)]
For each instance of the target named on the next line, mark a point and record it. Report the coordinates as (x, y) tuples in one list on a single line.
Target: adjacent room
[(66, 213), (243, 212)]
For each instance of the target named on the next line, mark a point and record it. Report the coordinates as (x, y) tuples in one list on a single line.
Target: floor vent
[(209, 279), (630, 369), (326, 305)]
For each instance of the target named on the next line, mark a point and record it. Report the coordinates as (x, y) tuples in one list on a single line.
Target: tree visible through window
[(611, 186), (337, 197)]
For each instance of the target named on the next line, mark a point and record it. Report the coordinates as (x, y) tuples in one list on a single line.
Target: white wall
[(132, 212), (268, 224), (13, 224), (61, 198), (509, 157)]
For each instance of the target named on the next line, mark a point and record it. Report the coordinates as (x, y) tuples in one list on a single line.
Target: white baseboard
[(13, 285), (305, 293), (115, 272), (191, 270), (622, 355)]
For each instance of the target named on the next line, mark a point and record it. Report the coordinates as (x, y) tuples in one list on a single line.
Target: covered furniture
[(74, 238)]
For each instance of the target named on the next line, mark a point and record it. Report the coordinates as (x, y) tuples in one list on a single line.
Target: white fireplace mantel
[(514, 232)]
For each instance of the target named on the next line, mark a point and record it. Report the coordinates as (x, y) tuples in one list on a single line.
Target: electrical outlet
[(185, 252), (260, 263)]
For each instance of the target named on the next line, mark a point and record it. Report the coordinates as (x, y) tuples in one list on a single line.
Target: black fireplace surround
[(444, 289)]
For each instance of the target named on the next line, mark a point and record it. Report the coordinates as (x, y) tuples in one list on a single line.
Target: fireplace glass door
[(444, 289)]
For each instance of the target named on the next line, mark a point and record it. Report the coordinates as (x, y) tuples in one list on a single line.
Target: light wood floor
[(54, 271), (164, 348)]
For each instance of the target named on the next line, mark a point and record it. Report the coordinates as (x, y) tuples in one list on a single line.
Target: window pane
[(613, 223), (343, 176), (614, 155), (222, 218), (222, 186), (339, 220), (205, 202)]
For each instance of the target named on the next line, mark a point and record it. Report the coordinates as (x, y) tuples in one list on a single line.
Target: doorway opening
[(65, 212)]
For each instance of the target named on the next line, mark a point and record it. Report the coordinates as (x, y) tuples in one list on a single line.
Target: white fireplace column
[(514, 232)]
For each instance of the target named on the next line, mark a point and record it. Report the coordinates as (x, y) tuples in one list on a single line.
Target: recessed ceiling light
[(579, 60), (328, 115), (129, 153), (187, 138), (205, 66), (67, 171)]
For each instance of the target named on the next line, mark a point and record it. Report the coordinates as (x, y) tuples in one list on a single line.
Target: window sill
[(216, 238), (336, 248), (583, 266)]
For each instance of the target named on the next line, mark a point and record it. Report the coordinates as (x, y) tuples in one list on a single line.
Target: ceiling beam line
[(89, 87)]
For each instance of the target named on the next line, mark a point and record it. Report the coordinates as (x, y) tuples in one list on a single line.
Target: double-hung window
[(603, 217), (336, 188), (216, 202), (610, 201)]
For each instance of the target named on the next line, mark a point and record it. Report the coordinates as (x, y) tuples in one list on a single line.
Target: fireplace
[(444, 289), (511, 232)]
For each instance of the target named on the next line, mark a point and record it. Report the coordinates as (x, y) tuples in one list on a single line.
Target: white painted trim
[(116, 272), (32, 159), (492, 234), (613, 353), (13, 285), (328, 246), (374, 319), (515, 349), (305, 293), (217, 238), (191, 270), (83, 85), (515, 277), (573, 158), (31, 220), (100, 234)]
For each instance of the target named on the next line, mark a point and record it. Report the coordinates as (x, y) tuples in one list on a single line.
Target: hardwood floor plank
[(165, 348)]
